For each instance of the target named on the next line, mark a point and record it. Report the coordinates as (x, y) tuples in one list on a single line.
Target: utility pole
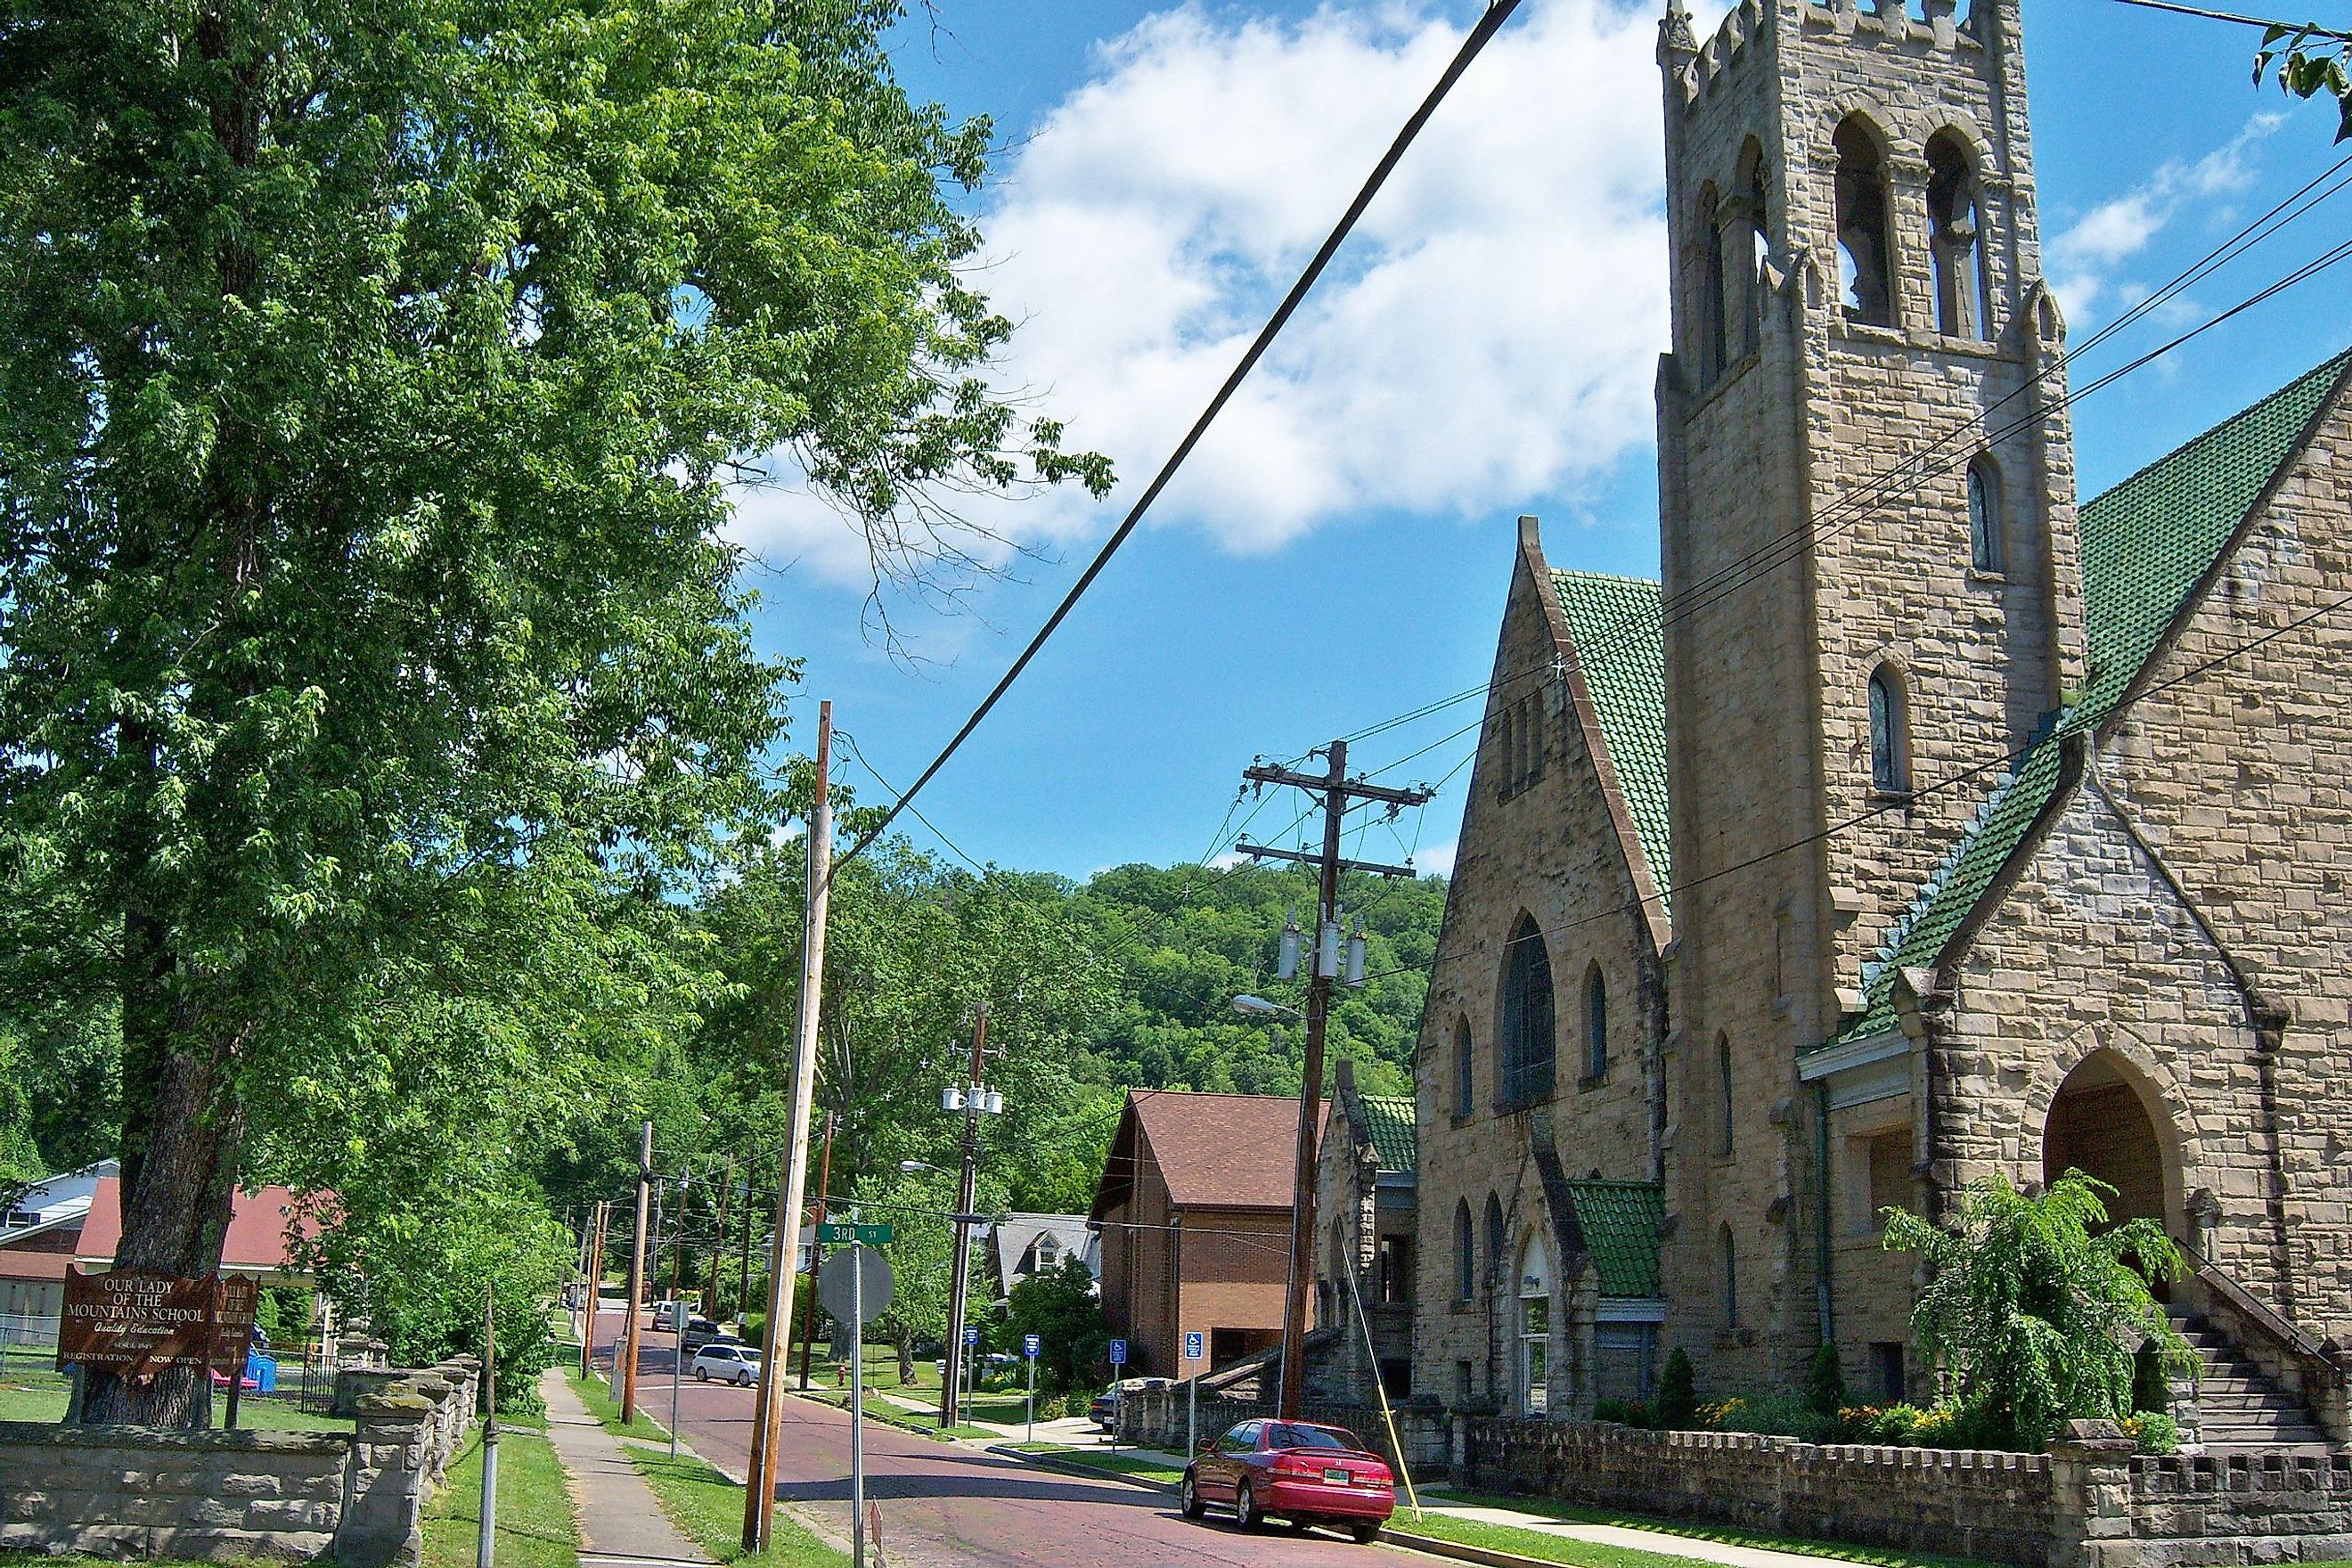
[(596, 1278), (636, 1279), (973, 1101), (1339, 793), (759, 1494), (816, 1253), (486, 1536), (718, 1244)]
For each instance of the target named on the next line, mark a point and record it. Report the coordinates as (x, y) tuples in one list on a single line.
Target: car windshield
[(1311, 1438)]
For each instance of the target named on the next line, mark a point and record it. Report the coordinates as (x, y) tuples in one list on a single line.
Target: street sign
[(1029, 1344), (846, 1295), (870, 1234), (972, 1334), (1193, 1348), (1119, 1353)]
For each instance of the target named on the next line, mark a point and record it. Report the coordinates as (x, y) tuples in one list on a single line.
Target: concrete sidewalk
[(622, 1525)]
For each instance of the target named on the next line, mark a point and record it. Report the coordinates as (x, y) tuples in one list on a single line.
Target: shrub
[(1773, 1416), (1896, 1426), (1079, 1403), (1624, 1412), (1825, 1382), (2035, 1304), (2154, 1432), (1677, 1406)]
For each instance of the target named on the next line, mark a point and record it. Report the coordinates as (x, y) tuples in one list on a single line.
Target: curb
[(1073, 1467)]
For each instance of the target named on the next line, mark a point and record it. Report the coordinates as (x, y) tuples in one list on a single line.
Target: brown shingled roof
[(1214, 1151)]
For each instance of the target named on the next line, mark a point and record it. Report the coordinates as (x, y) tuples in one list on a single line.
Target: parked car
[(737, 1365), (666, 1316), (699, 1331), (1104, 1411), (1297, 1470)]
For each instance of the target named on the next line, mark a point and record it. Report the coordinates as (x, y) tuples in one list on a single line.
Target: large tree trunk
[(180, 1135)]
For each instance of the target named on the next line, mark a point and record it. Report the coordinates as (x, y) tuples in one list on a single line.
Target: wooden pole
[(808, 1313), (636, 1279), (758, 1499), (596, 1278)]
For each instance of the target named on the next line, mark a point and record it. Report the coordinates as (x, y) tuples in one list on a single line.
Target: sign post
[(1117, 1390), (1193, 1346), (1029, 1347), (970, 1364), (855, 1286)]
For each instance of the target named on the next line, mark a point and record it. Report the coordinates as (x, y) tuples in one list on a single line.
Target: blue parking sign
[(1193, 1350), (1119, 1353), (1029, 1344), (972, 1334)]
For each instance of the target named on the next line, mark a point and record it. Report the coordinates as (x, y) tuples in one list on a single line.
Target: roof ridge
[(2286, 388), (1591, 576)]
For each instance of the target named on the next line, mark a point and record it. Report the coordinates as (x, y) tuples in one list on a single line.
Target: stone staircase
[(2233, 1407)]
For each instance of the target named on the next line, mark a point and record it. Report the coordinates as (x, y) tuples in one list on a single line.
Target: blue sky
[(1486, 349)]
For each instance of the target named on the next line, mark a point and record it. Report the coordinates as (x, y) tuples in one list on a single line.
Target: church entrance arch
[(2107, 1121)]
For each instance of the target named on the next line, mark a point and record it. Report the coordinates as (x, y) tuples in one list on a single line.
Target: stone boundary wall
[(139, 1492), (1996, 1507), (1155, 1418), (2239, 1508)]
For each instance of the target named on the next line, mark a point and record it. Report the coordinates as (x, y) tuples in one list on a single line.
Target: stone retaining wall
[(2241, 1509), (137, 1491)]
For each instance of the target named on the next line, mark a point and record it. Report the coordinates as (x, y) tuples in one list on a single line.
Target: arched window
[(1507, 755), (1596, 1025), (1723, 1093), (1465, 1253), (1713, 319), (1730, 1278), (1984, 516), (1890, 760), (1496, 1259), (1466, 1071), (1962, 302), (1534, 1292), (1865, 247), (1756, 250), (1527, 1042)]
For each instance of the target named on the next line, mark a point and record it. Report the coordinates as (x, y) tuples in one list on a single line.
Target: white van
[(667, 1316)]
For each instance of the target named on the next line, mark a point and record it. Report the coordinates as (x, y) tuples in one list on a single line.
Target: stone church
[(1921, 823)]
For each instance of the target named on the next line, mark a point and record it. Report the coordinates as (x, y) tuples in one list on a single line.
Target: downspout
[(1822, 1209)]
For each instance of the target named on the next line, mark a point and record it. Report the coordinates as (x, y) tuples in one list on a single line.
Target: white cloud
[(1487, 337), (1437, 861), (2085, 258)]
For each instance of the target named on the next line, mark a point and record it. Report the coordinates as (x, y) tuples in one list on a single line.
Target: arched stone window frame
[(1751, 240), (1532, 1311), (1506, 752), (1727, 1246), (1889, 699), (1724, 1101), (1961, 285), (1466, 1068), (1862, 211), (1527, 1039), (1596, 1024), (1465, 1253), (1987, 520), (1714, 308), (1497, 1240)]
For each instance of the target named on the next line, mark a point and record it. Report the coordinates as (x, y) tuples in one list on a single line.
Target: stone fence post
[(384, 1488), (2090, 1495)]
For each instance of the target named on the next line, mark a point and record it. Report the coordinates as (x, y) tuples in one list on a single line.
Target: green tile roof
[(2146, 545), (1388, 1119), (1619, 1222), (1620, 648)]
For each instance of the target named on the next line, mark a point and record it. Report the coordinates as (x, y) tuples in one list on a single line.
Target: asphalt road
[(947, 1505)]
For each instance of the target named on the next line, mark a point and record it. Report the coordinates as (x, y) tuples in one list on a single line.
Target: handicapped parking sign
[(1030, 1345), (1193, 1349), (972, 1334), (1119, 1353)]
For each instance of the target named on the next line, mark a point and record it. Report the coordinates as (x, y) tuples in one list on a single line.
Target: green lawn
[(606, 1409), (31, 1391), (1700, 1530), (708, 1508), (1104, 1459), (1531, 1543), (536, 1528)]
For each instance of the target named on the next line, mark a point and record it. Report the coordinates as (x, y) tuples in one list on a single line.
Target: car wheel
[(700, 1375), (1246, 1509), (742, 1380), (1365, 1533), (1191, 1495)]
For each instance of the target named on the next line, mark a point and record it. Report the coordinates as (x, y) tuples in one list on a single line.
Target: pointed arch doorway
[(2107, 1121)]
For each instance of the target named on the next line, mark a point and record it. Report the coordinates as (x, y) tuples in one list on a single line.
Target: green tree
[(2310, 59), (1677, 1406), (2036, 1305), (369, 379), (1061, 1306)]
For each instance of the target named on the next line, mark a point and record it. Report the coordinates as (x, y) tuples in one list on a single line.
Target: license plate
[(1338, 1477)]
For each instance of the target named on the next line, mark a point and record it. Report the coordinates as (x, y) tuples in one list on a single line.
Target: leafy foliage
[(1825, 1382), (2310, 60), (1059, 1305), (1676, 1406), (2035, 1306)]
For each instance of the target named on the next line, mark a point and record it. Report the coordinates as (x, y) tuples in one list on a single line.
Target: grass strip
[(708, 1508), (606, 1409), (1099, 1459), (1536, 1543), (1722, 1534), (536, 1527), (41, 1393)]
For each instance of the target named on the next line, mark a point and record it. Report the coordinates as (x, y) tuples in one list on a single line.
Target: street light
[(1251, 1006), (911, 1167)]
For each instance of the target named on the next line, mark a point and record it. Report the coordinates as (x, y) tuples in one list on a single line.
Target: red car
[(1295, 1471)]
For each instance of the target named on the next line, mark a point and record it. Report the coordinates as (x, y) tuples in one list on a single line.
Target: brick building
[(1918, 825), (1194, 1210)]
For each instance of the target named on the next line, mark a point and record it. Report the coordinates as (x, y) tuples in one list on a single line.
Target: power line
[(1497, 12), (2307, 29)]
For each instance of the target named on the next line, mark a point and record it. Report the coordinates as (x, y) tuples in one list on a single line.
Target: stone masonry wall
[(141, 1492)]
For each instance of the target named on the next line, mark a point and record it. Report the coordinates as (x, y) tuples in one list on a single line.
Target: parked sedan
[(737, 1365), (1295, 1471)]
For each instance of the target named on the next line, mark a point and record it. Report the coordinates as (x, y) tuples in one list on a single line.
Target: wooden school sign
[(139, 1322)]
